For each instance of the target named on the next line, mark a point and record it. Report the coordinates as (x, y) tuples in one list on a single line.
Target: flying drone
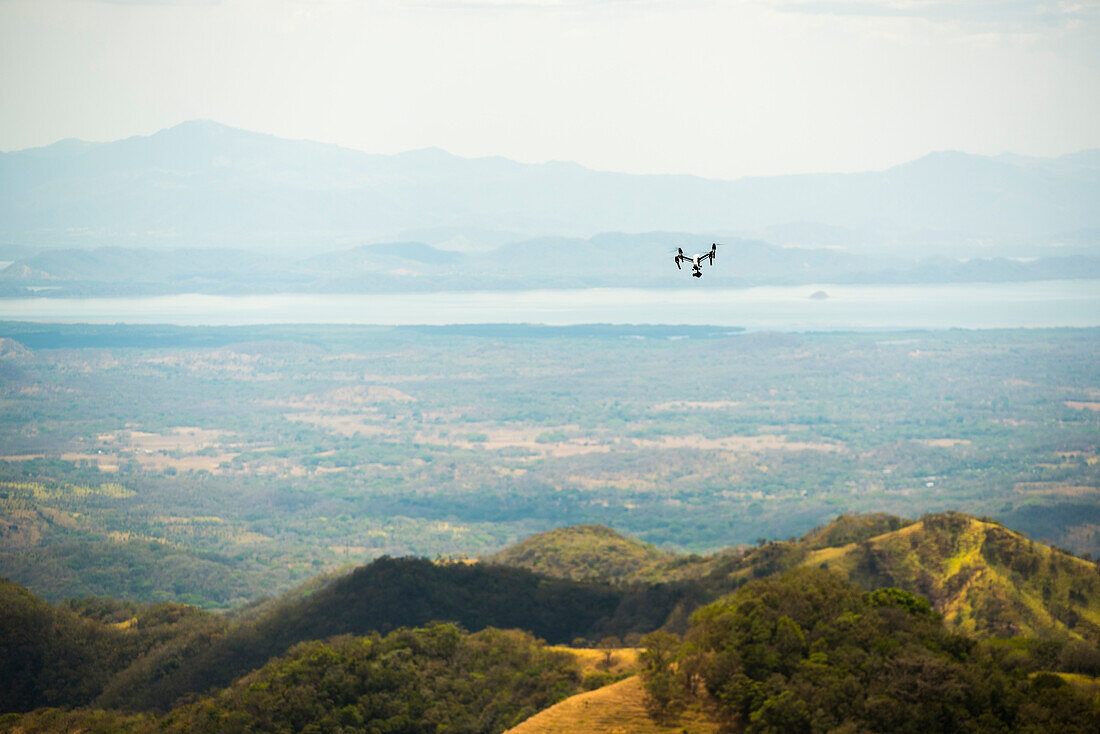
[(696, 260)]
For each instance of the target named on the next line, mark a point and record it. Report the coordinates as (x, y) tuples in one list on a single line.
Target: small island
[(818, 296)]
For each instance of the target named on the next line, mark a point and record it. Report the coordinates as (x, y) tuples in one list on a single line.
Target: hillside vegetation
[(620, 707), (941, 604), (64, 656), (807, 652), (382, 596), (985, 579), (434, 679), (583, 553)]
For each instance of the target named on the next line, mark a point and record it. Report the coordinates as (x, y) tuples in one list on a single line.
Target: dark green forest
[(435, 679), (806, 652)]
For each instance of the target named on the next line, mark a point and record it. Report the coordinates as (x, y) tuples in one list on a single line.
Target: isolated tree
[(659, 674), (608, 646)]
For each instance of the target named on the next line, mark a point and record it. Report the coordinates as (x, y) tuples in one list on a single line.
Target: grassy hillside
[(852, 528), (620, 707), (985, 579)]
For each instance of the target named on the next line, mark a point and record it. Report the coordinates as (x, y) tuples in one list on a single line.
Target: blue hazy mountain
[(201, 185)]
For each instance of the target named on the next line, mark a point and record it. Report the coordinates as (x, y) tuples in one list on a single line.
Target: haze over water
[(968, 305)]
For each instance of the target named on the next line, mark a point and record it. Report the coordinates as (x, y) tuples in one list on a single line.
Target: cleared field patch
[(223, 361), (1080, 405), (109, 462), (624, 482), (1057, 489), (697, 405), (828, 555), (345, 424), (344, 397), (211, 463), (735, 444), (615, 709), (496, 438), (943, 442), (182, 438)]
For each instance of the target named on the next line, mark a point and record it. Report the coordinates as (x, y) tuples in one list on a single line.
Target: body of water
[(969, 305)]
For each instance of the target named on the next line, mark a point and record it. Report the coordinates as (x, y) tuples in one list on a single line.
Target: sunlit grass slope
[(624, 660), (985, 579), (615, 709)]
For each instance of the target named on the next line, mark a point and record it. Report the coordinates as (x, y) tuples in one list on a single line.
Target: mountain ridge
[(986, 580), (213, 127), (162, 654), (206, 184)]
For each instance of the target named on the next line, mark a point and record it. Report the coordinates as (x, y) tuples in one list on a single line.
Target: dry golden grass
[(508, 437), (697, 404), (623, 659), (1060, 489), (109, 462), (366, 424), (150, 450), (358, 396), (1080, 405), (827, 555), (736, 444), (181, 438), (944, 442), (614, 709)]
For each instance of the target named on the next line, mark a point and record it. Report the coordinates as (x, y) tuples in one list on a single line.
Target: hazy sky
[(715, 89)]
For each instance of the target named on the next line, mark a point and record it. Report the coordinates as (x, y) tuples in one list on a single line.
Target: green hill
[(56, 656), (434, 679), (852, 528), (805, 651), (382, 596), (582, 553), (986, 580)]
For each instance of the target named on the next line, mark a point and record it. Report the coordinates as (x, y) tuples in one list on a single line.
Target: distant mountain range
[(203, 185), (607, 260)]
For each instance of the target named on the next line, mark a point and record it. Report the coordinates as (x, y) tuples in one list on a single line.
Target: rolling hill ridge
[(984, 582)]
